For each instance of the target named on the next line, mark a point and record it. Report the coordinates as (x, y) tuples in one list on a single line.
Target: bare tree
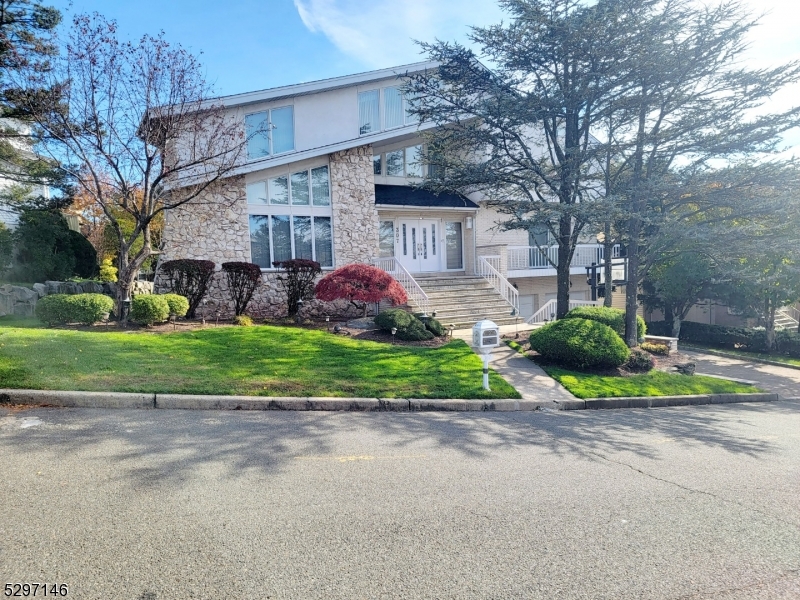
[(135, 126)]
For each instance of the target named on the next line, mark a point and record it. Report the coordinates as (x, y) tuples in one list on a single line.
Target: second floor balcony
[(524, 261)]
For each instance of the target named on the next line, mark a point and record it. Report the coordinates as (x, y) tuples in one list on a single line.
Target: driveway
[(779, 380), (680, 503)]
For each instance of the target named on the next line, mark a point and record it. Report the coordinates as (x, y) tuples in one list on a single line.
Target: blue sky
[(249, 45)]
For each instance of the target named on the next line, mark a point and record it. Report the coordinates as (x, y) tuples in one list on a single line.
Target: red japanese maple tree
[(360, 284)]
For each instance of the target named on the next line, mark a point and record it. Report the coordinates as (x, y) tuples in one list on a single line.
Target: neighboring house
[(329, 179), (8, 214)]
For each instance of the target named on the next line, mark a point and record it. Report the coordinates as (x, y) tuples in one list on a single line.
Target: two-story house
[(328, 176)]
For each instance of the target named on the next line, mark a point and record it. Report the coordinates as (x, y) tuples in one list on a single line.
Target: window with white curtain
[(270, 132), (290, 217), (369, 115), (393, 113), (388, 103)]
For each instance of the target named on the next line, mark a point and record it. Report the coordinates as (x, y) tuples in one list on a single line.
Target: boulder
[(53, 287), (70, 287), (24, 309), (40, 289), (91, 287), (23, 294), (6, 304)]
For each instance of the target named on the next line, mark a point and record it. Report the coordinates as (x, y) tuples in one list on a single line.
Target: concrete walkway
[(526, 376), (779, 380)]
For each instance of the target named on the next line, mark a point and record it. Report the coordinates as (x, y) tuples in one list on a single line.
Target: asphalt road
[(689, 503)]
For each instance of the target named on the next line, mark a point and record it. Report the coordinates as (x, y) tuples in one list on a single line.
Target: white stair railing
[(545, 314), (392, 266), (498, 282), (548, 312), (791, 317)]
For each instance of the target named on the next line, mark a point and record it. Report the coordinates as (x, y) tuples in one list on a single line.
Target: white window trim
[(384, 164), (382, 112), (269, 132), (293, 210)]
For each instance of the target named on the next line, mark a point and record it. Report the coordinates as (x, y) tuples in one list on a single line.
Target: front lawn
[(263, 361), (654, 383)]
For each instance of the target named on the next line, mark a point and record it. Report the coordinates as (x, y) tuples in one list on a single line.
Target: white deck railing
[(498, 282), (417, 295), (548, 312), (521, 258), (791, 312)]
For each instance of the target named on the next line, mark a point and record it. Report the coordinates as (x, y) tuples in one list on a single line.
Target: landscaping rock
[(17, 300), (53, 287), (40, 289), (91, 287), (70, 287), (363, 323)]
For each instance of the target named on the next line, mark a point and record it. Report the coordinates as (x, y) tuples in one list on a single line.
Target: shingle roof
[(401, 195)]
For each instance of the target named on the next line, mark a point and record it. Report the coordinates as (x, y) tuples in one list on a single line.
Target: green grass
[(654, 383), (264, 361), (788, 360)]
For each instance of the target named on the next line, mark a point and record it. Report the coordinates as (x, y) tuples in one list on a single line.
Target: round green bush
[(52, 309), (613, 317), (639, 361), (147, 309), (435, 327), (178, 305), (580, 343), (394, 317), (415, 332), (79, 308)]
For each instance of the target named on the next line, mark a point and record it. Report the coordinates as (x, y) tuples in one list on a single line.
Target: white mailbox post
[(485, 337)]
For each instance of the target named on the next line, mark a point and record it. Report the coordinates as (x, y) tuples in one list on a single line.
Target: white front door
[(418, 245)]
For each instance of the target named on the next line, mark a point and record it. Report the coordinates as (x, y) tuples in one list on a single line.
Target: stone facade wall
[(212, 227), (216, 228), (355, 216)]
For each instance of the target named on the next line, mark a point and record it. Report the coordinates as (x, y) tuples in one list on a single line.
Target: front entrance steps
[(463, 300)]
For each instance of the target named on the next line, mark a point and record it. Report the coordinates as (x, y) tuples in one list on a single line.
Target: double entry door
[(417, 244)]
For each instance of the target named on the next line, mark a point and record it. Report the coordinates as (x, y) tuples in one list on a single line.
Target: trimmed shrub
[(148, 309), (297, 279), (394, 317), (639, 361), (613, 317), (108, 272), (718, 336), (243, 321), (189, 278), (652, 348), (85, 256), (78, 308), (415, 332), (581, 343), (243, 279), (52, 309), (435, 327), (178, 305)]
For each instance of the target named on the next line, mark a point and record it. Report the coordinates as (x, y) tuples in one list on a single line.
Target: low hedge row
[(732, 338), (148, 309), (57, 309)]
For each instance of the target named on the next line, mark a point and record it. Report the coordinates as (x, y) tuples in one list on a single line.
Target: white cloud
[(380, 33)]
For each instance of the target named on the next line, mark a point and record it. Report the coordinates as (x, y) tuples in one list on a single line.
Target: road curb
[(78, 399), (262, 403), (666, 401)]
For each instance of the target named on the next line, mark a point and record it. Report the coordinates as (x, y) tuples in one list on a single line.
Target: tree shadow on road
[(166, 447)]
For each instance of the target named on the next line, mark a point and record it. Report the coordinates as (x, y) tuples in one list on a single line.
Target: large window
[(270, 132), (382, 109), (453, 241), (290, 217), (404, 162), (386, 239)]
